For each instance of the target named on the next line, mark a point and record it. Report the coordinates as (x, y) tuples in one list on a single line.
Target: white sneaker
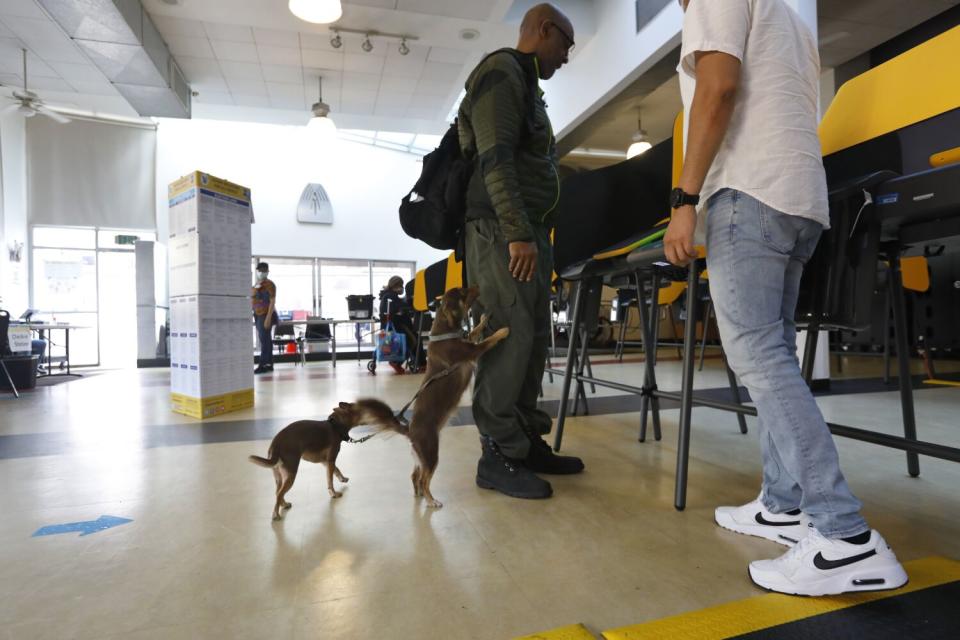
[(753, 519), (817, 566)]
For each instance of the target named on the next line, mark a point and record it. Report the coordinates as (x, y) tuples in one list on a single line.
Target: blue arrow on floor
[(83, 528)]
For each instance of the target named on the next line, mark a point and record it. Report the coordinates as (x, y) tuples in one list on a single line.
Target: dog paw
[(435, 504), (502, 333), (336, 494), (344, 479), (287, 505), (276, 517)]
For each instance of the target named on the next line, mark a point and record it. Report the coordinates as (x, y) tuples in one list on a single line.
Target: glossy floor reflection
[(202, 558)]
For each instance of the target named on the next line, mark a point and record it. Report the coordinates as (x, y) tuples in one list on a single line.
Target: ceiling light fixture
[(404, 49), (367, 45), (640, 142), (316, 11), (320, 122), (336, 41)]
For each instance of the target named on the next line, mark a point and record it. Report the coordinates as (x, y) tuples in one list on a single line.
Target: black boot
[(508, 475), (542, 459)]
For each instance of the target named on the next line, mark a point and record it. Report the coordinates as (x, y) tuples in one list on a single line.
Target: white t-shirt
[(771, 150)]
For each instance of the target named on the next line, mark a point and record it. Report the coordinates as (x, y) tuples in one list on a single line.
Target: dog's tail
[(381, 415), (264, 462)]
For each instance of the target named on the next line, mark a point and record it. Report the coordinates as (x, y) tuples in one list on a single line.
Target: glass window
[(339, 279), (382, 271), (294, 280), (83, 339), (64, 280), (64, 238)]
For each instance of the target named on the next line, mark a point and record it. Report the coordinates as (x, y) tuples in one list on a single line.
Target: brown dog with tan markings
[(319, 441), (450, 364)]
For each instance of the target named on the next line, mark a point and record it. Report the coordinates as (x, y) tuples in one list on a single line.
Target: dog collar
[(446, 336)]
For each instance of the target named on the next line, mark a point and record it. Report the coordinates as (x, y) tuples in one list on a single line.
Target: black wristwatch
[(679, 198)]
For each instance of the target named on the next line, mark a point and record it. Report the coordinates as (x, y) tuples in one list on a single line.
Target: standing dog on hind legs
[(450, 363), (319, 441)]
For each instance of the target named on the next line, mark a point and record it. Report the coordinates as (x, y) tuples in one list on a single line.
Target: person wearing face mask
[(749, 77), (264, 297), (514, 189)]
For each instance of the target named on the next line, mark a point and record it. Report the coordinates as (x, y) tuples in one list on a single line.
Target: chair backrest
[(316, 330), (284, 329), (4, 338)]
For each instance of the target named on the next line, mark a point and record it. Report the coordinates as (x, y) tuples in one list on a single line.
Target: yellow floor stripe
[(737, 618), (943, 383), (573, 632)]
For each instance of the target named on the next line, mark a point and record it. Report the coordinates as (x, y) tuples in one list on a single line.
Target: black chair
[(315, 331), (5, 348), (283, 335)]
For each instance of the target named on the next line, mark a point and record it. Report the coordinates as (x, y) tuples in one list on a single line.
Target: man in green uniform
[(514, 190)]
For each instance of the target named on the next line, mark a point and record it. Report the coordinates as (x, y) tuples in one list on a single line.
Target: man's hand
[(267, 321), (678, 242), (523, 260)]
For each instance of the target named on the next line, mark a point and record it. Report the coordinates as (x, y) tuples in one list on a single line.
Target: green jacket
[(515, 178)]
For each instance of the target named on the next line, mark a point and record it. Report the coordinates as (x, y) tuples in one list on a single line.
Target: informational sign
[(20, 341), (315, 206)]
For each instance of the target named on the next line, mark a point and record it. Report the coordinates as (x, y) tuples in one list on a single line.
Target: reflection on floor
[(202, 559)]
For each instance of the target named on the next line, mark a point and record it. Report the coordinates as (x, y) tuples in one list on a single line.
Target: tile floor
[(202, 558)]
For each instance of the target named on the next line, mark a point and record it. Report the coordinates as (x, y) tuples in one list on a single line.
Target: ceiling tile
[(322, 59), (393, 83), (278, 55), (241, 71), (235, 51), (464, 9), (4, 32), (320, 42), (383, 4), (276, 38), (214, 97), (423, 114), (362, 63), (426, 102), (441, 72), (170, 26), (357, 108), (22, 8), (78, 72), (355, 95), (403, 67), (286, 91), (50, 84), (228, 32), (247, 87), (452, 56), (251, 100), (282, 73), (428, 88), (390, 110), (199, 69), (209, 84), (189, 46), (44, 38), (361, 81), (12, 80)]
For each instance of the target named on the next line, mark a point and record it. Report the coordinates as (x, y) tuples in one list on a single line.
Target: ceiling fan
[(28, 103)]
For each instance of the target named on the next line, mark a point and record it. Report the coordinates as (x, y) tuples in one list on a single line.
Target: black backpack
[(434, 209)]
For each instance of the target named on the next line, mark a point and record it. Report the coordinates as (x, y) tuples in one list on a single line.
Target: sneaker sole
[(894, 579), (787, 536), (485, 484)]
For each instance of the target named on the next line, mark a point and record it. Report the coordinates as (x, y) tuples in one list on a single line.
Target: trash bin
[(360, 307), (23, 372)]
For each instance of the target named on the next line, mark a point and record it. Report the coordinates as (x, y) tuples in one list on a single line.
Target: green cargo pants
[(508, 376)]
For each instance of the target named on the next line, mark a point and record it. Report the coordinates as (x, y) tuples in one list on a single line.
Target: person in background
[(38, 347), (264, 297), (399, 310)]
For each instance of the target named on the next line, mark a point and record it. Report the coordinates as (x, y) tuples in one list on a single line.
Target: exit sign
[(126, 239)]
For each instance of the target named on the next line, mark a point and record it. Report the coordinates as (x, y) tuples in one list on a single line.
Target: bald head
[(547, 33)]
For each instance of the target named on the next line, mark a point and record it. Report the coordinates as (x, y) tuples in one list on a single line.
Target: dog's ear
[(345, 405)]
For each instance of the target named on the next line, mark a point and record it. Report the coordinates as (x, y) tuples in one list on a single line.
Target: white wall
[(14, 287), (614, 57), (276, 162)]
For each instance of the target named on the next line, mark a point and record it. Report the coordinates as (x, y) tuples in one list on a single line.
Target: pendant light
[(640, 142), (320, 123), (316, 11)]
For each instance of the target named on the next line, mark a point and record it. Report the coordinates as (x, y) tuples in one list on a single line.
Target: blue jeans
[(755, 256), (265, 336)]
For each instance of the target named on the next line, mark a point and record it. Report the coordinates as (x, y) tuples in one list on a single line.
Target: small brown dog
[(319, 441), (450, 364)]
